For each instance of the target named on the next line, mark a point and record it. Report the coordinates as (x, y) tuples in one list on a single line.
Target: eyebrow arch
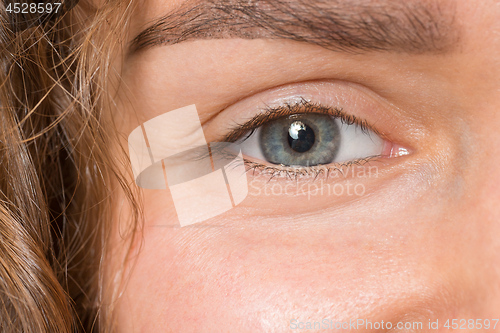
[(340, 25)]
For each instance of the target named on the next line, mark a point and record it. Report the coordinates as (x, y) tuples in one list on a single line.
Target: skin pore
[(420, 244)]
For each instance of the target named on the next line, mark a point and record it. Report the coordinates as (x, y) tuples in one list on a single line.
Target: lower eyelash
[(304, 173)]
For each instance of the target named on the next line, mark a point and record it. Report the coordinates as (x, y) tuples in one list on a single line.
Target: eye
[(313, 135)]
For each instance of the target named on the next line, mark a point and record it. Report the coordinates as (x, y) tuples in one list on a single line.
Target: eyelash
[(301, 107)]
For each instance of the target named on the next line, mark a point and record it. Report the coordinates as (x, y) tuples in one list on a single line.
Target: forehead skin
[(422, 245)]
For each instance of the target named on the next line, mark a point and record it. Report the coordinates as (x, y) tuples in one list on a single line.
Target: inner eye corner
[(394, 150)]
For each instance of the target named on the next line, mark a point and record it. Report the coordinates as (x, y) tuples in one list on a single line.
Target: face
[(370, 133)]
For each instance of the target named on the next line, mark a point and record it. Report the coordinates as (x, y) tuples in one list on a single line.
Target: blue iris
[(300, 140)]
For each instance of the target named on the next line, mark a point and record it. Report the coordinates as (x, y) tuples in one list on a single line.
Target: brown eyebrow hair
[(339, 25)]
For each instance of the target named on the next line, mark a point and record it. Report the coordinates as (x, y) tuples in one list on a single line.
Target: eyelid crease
[(301, 107)]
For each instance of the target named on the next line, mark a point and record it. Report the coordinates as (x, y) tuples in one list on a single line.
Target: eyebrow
[(339, 25)]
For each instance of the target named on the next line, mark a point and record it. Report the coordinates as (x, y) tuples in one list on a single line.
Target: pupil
[(300, 137)]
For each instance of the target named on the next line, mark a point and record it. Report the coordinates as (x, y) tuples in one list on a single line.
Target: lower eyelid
[(331, 172)]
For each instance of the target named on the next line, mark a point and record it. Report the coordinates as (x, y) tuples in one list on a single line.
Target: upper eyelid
[(302, 106)]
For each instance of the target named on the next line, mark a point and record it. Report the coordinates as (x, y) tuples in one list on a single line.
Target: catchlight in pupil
[(300, 137)]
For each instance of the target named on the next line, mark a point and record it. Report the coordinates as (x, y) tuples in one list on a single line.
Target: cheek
[(224, 277)]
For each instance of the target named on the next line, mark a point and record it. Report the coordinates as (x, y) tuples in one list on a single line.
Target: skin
[(422, 242)]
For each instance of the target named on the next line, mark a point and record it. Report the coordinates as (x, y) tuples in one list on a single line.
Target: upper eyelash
[(301, 106)]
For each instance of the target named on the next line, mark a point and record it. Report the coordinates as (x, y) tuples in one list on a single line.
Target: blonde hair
[(55, 168)]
